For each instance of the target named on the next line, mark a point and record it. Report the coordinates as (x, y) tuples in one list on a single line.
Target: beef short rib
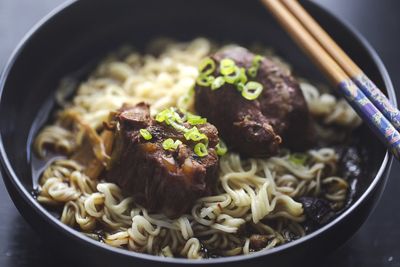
[(256, 128), (161, 180)]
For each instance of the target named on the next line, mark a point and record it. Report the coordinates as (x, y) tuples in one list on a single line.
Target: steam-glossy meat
[(257, 127), (166, 181)]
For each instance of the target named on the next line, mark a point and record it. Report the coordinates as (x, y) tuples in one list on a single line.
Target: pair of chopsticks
[(361, 93)]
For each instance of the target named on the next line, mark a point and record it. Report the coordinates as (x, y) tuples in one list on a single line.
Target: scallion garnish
[(242, 77), (233, 77), (221, 148), (179, 127), (257, 59), (195, 119), (227, 66), (169, 144), (217, 83), (145, 134), (204, 80), (252, 90), (172, 118), (179, 120), (194, 135), (232, 74), (200, 149), (168, 116), (240, 86), (207, 66), (162, 116), (298, 158), (252, 71), (255, 65)]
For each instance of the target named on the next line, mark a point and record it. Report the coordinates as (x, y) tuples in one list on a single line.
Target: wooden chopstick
[(345, 62), (371, 115)]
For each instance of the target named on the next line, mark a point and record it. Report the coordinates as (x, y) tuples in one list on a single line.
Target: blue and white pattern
[(371, 116), (378, 99)]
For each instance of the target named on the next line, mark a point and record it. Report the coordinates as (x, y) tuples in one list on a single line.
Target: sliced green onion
[(255, 65), (233, 77), (168, 115), (252, 71), (227, 66), (194, 135), (252, 90), (243, 77), (195, 119), (173, 116), (162, 116), (240, 86), (221, 148), (178, 127), (200, 149), (217, 83), (257, 59), (169, 144), (177, 143), (207, 66), (204, 80), (298, 158), (145, 134)]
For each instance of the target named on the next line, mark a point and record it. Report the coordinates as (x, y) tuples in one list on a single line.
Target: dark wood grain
[(378, 241)]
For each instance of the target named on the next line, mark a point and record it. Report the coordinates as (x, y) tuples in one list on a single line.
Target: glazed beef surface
[(279, 116), (166, 181)]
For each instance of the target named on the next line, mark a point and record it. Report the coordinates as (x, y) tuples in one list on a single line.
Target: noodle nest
[(254, 196)]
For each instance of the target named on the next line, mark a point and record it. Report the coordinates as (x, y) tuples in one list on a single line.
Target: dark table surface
[(377, 243)]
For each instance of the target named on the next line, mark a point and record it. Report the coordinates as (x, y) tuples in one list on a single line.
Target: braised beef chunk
[(317, 210), (162, 180), (279, 115)]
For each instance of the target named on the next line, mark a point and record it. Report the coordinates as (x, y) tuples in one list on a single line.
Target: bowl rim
[(79, 237)]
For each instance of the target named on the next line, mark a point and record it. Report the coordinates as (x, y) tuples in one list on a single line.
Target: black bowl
[(80, 32)]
